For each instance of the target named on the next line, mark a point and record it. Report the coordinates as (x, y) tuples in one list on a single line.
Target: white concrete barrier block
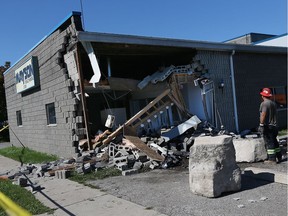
[(212, 166), (250, 149)]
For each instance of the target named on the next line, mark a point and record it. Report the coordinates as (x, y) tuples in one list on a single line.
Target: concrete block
[(62, 174), (122, 159), (139, 155), (87, 168), (122, 166), (129, 172), (250, 150), (111, 150), (212, 166), (137, 165), (22, 182)]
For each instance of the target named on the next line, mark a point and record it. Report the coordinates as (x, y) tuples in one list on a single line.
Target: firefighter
[(268, 126)]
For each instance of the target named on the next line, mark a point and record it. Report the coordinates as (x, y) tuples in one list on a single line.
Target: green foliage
[(100, 174), (4, 135), (23, 198), (283, 132), (27, 155)]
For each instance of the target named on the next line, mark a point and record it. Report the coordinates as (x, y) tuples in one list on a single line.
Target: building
[(279, 41), (250, 38), (66, 87)]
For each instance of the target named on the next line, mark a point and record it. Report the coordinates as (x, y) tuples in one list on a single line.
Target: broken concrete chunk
[(250, 150), (137, 165), (22, 182), (212, 166), (129, 172), (62, 174)]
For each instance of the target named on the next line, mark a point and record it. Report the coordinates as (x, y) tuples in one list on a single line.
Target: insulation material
[(180, 129), (94, 63)]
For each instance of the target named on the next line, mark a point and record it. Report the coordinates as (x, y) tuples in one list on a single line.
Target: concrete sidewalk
[(72, 198)]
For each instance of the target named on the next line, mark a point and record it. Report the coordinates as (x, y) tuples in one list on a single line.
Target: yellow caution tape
[(4, 128), (11, 208)]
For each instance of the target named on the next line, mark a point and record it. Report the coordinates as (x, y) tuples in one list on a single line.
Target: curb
[(266, 174)]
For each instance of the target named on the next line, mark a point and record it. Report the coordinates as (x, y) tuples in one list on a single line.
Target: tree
[(3, 109)]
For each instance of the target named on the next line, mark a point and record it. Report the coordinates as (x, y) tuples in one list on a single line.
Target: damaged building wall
[(56, 87), (218, 65), (252, 73)]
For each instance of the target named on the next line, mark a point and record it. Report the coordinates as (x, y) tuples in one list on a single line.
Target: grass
[(100, 174), (26, 155), (23, 198), (283, 132)]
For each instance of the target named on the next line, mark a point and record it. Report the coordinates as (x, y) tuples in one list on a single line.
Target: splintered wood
[(130, 135)]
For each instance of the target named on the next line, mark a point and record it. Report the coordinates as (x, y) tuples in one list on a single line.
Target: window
[(19, 118), (280, 96), (50, 114)]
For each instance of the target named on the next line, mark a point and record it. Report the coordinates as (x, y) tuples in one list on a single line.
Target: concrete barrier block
[(212, 166), (250, 149)]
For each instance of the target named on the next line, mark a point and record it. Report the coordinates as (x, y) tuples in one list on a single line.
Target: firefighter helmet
[(266, 92)]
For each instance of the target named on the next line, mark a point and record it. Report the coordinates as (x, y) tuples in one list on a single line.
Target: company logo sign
[(27, 75)]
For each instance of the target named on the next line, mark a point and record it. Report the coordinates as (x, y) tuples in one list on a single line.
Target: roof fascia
[(154, 41)]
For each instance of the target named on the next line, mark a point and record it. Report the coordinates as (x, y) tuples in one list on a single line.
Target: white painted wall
[(193, 100), (280, 41)]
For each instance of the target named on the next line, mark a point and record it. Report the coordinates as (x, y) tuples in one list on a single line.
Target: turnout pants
[(270, 138)]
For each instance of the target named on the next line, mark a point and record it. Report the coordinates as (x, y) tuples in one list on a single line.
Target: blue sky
[(24, 23)]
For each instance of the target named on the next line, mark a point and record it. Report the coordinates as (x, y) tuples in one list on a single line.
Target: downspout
[(109, 67), (234, 92)]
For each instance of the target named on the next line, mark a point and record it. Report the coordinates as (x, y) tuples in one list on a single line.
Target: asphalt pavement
[(167, 191)]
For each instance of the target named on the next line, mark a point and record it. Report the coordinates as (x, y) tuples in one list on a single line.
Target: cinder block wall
[(218, 66), (253, 72), (56, 87)]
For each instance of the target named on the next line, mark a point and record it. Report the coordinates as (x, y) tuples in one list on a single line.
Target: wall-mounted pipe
[(234, 92), (109, 67)]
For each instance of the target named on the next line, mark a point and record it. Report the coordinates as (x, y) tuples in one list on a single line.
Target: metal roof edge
[(268, 39), (73, 13), (144, 40), (250, 33)]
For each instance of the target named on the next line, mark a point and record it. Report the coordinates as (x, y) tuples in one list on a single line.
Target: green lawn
[(100, 174), (26, 155), (23, 198)]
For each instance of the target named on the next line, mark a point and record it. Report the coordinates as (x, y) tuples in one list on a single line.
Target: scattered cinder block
[(137, 165), (22, 182), (62, 174), (122, 159), (122, 166), (129, 172)]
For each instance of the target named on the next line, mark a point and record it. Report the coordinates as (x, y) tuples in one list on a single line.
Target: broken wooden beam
[(135, 117), (130, 134)]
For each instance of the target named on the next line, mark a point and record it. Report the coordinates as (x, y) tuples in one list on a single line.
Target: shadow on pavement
[(39, 190), (251, 182)]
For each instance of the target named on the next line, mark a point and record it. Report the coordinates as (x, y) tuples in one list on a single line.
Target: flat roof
[(169, 42)]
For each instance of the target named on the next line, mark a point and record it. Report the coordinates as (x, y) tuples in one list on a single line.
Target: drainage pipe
[(234, 92), (109, 67)]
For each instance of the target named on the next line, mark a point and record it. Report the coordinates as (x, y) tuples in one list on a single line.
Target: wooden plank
[(136, 116), (130, 135), (83, 98), (162, 107)]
